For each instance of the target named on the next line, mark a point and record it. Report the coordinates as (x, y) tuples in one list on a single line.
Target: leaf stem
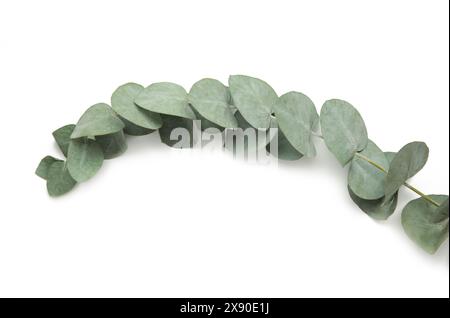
[(376, 165)]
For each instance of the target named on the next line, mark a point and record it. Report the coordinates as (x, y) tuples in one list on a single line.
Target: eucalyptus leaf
[(84, 159), (181, 129), (59, 180), (98, 120), (418, 220), (165, 98), (205, 123), (298, 119), (62, 137), (112, 145), (343, 129), (285, 150), (133, 130), (254, 99), (441, 212), (364, 179), (122, 101), (210, 98), (44, 166), (406, 163), (376, 209)]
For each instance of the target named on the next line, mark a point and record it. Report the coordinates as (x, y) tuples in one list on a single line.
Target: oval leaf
[(343, 129), (112, 145), (122, 101), (62, 137), (297, 117), (418, 222), (84, 159), (406, 163), (165, 98), (254, 98), (98, 120), (210, 98), (44, 166), (365, 180), (59, 180)]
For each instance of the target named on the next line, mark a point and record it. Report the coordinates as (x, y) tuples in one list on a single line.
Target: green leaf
[(406, 163), (210, 98), (418, 220), (376, 209), (85, 158), (165, 98), (184, 125), (297, 117), (122, 101), (44, 166), (62, 137), (343, 129), (98, 120), (285, 150), (205, 123), (59, 180), (112, 145), (254, 99), (133, 130), (441, 212), (365, 180)]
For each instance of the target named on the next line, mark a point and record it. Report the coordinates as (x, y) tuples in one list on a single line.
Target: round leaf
[(133, 130), (59, 180), (122, 101), (165, 98), (62, 137), (98, 120), (365, 180), (210, 98), (419, 224), (254, 98), (297, 118), (406, 163), (84, 159), (44, 166), (343, 129)]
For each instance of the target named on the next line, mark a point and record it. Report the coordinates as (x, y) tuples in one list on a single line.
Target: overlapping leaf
[(84, 159), (112, 145), (424, 223), (406, 163), (297, 118), (62, 137), (44, 166), (343, 129), (254, 99), (122, 101), (97, 120), (165, 98), (210, 98), (59, 180)]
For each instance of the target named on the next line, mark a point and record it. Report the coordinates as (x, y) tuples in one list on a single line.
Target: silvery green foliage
[(343, 129), (374, 178), (426, 224)]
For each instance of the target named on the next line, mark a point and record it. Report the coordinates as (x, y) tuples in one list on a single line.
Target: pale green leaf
[(406, 163), (376, 209), (112, 145), (59, 180), (210, 98), (122, 101), (165, 98), (343, 129), (62, 137), (418, 220), (44, 166), (98, 120), (254, 98), (84, 159)]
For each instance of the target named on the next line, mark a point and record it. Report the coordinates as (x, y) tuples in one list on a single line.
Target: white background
[(159, 222)]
